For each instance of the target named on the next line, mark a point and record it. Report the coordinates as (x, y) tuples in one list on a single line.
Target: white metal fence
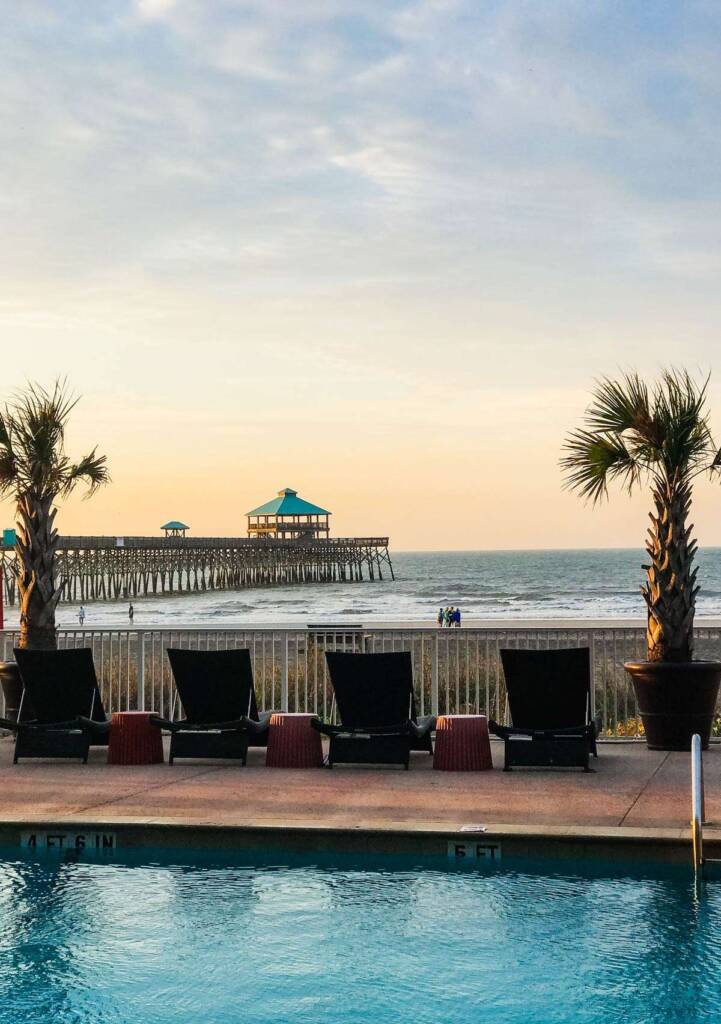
[(455, 670)]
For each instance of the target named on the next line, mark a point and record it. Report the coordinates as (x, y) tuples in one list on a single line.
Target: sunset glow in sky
[(375, 251)]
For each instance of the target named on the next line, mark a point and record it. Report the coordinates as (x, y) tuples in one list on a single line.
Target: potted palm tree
[(660, 435), (35, 471)]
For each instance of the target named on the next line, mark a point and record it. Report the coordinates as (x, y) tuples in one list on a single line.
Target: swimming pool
[(215, 941)]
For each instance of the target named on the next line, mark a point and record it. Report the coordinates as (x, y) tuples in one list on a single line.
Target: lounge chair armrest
[(401, 729), (587, 729), (162, 723), (426, 724), (260, 726), (406, 728), (73, 723), (183, 725), (91, 725), (5, 723), (508, 731)]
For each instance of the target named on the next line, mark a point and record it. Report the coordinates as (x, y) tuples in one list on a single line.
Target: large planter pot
[(12, 688), (675, 700)]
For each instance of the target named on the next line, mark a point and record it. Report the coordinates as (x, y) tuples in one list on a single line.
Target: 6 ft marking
[(473, 851)]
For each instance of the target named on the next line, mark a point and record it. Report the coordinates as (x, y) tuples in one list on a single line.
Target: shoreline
[(371, 624)]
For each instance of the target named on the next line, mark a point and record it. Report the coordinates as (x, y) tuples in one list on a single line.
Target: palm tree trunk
[(670, 591), (38, 596)]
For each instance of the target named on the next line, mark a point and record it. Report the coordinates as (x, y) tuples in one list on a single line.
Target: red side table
[(293, 743), (462, 744), (133, 740)]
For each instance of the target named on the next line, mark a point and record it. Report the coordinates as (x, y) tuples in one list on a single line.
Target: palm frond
[(593, 460), (92, 470), (632, 430), (37, 422), (8, 471), (5, 438), (8, 466), (619, 405), (680, 408), (32, 431)]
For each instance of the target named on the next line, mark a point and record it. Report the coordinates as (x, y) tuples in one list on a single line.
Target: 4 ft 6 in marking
[(68, 840)]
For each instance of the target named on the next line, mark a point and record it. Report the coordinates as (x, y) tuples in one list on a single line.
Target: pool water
[(219, 940)]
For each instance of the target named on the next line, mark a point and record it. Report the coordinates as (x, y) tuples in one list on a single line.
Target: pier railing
[(69, 543), (456, 671)]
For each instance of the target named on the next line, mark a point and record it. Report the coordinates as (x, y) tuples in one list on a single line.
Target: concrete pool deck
[(638, 801)]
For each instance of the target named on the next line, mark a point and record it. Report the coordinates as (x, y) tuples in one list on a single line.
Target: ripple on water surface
[(225, 942)]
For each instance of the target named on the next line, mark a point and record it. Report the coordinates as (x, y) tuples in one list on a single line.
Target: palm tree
[(659, 435), (35, 472)]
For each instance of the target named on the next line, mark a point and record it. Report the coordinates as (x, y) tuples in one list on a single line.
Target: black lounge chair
[(218, 698), (61, 711), (373, 694), (549, 697)]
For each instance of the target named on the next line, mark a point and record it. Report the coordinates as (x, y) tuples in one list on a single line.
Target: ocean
[(485, 585)]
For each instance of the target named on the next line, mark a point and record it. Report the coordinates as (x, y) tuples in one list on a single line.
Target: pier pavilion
[(174, 528), (289, 517)]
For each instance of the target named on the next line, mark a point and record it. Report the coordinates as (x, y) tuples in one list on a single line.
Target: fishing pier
[(107, 568), (286, 545)]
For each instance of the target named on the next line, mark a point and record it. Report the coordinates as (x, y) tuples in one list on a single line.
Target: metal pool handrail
[(697, 803)]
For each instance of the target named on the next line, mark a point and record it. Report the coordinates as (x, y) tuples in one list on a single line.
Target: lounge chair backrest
[(372, 689), (60, 684), (548, 689), (214, 686)]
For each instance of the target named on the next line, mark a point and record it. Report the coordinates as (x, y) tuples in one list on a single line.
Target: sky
[(374, 251)]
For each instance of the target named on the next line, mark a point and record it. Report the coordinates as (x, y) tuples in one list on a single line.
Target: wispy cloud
[(155, 9), (434, 202), (424, 120)]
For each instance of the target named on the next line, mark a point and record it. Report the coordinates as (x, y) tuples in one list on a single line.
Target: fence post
[(140, 669), (434, 677), (592, 659), (284, 673)]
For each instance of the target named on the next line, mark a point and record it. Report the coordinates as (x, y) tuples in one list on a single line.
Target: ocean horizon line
[(527, 551)]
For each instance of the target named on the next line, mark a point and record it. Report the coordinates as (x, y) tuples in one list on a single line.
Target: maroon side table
[(133, 740), (293, 743), (462, 744)]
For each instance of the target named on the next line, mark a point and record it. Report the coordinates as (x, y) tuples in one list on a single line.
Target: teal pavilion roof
[(175, 524), (288, 504)]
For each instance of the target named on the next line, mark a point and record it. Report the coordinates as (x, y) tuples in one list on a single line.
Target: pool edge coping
[(427, 837)]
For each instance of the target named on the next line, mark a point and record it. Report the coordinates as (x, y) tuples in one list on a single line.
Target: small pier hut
[(289, 517), (175, 528)]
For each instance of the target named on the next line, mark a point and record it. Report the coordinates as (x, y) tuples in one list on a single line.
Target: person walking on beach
[(447, 617), (81, 615), (440, 617), (457, 618), (131, 611)]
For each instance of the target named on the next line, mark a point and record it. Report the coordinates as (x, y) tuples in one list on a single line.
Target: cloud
[(151, 10), (345, 139)]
